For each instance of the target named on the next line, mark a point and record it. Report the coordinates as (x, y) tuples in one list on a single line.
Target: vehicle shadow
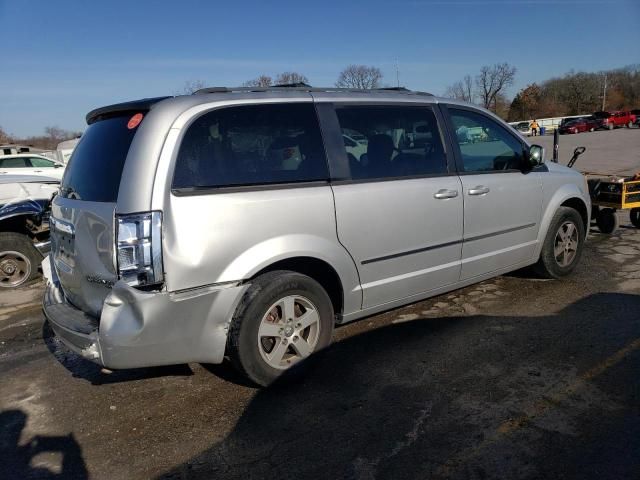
[(407, 400), (95, 374), (18, 459)]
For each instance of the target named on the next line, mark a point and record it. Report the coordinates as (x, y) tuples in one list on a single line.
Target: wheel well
[(17, 224), (579, 206), (319, 270)]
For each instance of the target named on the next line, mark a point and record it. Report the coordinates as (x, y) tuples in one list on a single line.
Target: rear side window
[(391, 141), (252, 145), (95, 168)]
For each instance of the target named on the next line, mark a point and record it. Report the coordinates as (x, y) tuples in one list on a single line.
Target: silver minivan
[(236, 223)]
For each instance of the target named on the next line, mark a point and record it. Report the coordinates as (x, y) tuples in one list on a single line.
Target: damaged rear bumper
[(144, 329)]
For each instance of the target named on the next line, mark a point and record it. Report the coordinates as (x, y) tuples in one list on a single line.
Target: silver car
[(235, 223)]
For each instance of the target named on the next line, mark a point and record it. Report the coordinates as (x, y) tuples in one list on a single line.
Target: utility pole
[(397, 74), (604, 93)]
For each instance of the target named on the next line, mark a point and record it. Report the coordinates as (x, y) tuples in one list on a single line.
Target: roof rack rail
[(292, 85), (394, 89), (303, 87)]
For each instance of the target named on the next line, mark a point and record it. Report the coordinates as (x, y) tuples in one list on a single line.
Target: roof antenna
[(397, 74)]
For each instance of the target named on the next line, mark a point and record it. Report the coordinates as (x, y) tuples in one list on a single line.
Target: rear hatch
[(82, 227)]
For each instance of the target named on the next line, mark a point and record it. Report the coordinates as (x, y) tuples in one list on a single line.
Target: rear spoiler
[(135, 106)]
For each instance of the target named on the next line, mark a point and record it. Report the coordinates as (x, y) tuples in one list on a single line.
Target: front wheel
[(282, 319), (562, 246)]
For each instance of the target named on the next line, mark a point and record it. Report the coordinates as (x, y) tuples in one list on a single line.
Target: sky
[(60, 59)]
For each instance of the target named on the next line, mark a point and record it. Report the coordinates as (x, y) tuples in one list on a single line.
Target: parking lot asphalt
[(512, 378), (612, 152), (516, 377)]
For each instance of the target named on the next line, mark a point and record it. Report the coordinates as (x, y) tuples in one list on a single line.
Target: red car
[(577, 125), (614, 120)]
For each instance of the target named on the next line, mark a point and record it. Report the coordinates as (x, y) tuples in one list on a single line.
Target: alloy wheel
[(566, 244), (289, 331)]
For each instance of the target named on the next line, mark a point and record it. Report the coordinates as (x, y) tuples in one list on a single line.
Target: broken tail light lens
[(139, 248)]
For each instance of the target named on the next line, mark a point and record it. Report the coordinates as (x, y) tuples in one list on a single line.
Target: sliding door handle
[(444, 193), (479, 190)]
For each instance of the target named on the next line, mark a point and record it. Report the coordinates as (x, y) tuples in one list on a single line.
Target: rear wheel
[(634, 215), (562, 246), (607, 220), (282, 319), (19, 260), (610, 126), (629, 125)]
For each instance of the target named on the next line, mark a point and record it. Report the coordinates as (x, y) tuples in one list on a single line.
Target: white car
[(30, 164), (357, 148)]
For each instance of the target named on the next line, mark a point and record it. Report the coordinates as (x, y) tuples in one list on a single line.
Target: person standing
[(534, 127)]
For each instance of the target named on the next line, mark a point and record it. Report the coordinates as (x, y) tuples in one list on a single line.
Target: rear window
[(252, 145), (95, 168)]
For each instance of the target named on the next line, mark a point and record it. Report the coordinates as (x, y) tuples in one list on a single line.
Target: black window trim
[(456, 147), (339, 163), (252, 187), (256, 187)]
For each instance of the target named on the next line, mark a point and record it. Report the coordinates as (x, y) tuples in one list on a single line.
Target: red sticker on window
[(134, 121)]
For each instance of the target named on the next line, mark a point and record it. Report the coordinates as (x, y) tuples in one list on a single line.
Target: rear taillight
[(139, 244)]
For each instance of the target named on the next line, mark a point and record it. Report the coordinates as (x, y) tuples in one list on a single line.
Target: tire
[(559, 258), (592, 129), (629, 124), (610, 126), (607, 220), (262, 310), (19, 260), (634, 215)]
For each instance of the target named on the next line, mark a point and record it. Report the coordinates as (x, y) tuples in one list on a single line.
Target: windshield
[(95, 168)]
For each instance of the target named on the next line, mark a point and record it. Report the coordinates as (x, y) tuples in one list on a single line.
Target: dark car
[(577, 125)]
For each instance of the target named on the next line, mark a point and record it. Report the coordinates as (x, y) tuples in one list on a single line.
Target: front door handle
[(479, 190), (444, 193)]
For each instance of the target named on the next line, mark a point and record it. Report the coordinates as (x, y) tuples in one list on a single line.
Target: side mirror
[(536, 155)]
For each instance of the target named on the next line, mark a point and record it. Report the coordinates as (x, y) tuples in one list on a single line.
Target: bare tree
[(359, 76), (462, 90), (493, 80), (4, 136), (191, 86), (55, 134), (261, 81), (291, 77)]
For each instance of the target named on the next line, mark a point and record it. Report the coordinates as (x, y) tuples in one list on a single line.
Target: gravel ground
[(612, 152)]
